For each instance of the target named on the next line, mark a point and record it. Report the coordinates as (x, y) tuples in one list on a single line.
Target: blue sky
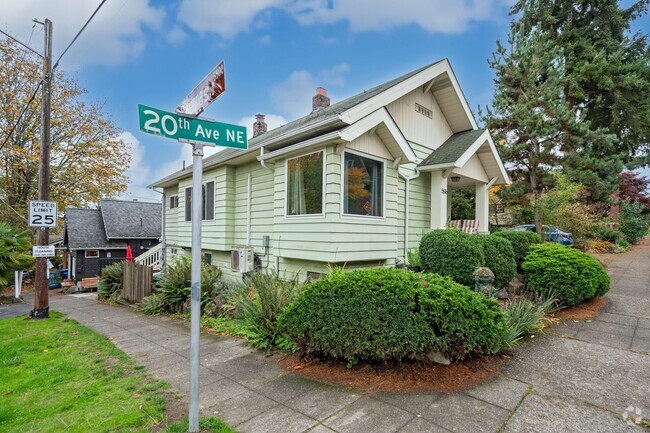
[(276, 53)]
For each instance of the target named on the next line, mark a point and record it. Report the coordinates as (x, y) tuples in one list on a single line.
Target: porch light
[(455, 178)]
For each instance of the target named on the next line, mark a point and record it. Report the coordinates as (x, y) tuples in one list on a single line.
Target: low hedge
[(499, 257), (570, 275), (384, 314), (451, 253), (521, 242)]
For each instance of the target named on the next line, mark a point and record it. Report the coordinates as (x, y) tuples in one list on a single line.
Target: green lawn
[(56, 375)]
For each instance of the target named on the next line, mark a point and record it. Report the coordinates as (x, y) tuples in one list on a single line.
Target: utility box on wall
[(242, 258)]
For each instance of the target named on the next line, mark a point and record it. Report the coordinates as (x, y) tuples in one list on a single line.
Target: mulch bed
[(407, 377), (586, 310)]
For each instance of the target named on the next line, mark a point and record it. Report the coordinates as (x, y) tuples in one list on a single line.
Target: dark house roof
[(84, 230), (131, 219), (273, 138), (453, 148)]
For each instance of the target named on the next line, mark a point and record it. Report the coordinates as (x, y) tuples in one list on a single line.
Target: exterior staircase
[(153, 257)]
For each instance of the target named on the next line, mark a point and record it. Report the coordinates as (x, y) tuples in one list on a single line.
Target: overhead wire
[(56, 64)]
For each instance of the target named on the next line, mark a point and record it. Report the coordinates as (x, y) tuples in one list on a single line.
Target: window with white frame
[(91, 254), (363, 185), (173, 202), (207, 203), (305, 185)]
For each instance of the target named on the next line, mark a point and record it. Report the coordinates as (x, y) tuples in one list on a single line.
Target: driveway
[(582, 377)]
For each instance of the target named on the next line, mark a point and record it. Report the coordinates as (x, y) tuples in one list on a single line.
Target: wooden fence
[(138, 281)]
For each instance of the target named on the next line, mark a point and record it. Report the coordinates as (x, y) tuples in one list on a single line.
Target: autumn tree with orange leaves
[(88, 160)]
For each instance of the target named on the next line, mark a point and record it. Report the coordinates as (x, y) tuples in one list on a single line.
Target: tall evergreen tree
[(530, 116), (606, 80)]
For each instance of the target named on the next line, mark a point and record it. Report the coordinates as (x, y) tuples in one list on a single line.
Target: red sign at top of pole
[(209, 89)]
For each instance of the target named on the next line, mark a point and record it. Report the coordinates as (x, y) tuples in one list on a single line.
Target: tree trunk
[(536, 203)]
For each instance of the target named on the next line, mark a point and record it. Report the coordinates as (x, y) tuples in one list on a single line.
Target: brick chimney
[(320, 100), (259, 126)]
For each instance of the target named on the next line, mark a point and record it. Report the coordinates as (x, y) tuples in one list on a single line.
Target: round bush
[(499, 257), (521, 242), (451, 253), (383, 314), (570, 275)]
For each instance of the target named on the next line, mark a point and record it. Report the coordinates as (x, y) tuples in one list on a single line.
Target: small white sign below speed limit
[(42, 213)]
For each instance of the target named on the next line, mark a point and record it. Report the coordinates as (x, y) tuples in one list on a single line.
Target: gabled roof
[(457, 150), (85, 230), (131, 219), (452, 149), (437, 78)]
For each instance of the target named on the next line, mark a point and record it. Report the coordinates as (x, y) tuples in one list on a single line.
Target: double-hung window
[(305, 185), (363, 185), (207, 202)]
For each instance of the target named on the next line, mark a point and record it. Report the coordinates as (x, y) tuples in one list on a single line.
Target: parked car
[(551, 233)]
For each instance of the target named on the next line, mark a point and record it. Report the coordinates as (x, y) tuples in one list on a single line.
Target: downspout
[(248, 210), (262, 161), (407, 196)]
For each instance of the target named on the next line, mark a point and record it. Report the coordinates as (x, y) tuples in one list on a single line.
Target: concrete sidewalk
[(580, 378)]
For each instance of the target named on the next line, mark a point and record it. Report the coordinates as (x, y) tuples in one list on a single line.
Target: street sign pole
[(195, 309)]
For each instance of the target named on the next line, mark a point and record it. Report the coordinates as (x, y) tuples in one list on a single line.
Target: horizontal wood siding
[(417, 127)]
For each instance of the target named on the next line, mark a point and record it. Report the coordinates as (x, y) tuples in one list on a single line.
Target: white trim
[(371, 122), (86, 256), (383, 199), (400, 89), (485, 137), (294, 148), (171, 197), (323, 151)]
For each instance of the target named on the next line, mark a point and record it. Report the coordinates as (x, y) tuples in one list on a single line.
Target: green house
[(352, 184)]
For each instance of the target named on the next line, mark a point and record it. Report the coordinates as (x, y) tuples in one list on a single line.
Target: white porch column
[(438, 200), (483, 207)]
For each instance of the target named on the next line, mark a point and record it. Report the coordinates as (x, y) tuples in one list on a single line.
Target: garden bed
[(408, 376)]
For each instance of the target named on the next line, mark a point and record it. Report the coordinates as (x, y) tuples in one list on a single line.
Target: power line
[(21, 114), (24, 45), (78, 34)]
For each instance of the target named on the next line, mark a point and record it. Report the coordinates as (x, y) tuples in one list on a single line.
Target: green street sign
[(171, 125)]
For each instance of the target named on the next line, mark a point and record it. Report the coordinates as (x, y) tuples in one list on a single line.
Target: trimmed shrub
[(385, 314), (571, 275), (451, 253), (110, 284), (499, 257), (175, 285), (521, 242)]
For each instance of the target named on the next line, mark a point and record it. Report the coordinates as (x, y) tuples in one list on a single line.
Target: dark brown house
[(99, 237)]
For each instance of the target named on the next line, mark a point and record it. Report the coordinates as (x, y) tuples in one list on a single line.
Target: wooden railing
[(152, 258)]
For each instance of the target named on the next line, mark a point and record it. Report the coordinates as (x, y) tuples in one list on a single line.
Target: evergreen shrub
[(451, 253), (521, 242), (110, 283), (499, 257), (388, 314), (571, 275)]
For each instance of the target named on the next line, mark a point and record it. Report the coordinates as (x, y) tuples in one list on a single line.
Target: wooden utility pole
[(41, 284)]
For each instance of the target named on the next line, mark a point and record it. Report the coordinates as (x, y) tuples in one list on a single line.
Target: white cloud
[(293, 96), (138, 172), (114, 35), (230, 17), (225, 17), (176, 36), (272, 121)]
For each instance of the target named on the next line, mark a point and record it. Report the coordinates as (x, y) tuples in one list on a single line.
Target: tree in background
[(14, 252), (635, 187), (88, 160), (529, 115), (606, 79)]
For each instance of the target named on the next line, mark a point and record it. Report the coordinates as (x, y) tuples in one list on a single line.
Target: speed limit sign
[(42, 213)]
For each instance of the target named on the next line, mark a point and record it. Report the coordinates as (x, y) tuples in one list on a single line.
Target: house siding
[(416, 127)]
